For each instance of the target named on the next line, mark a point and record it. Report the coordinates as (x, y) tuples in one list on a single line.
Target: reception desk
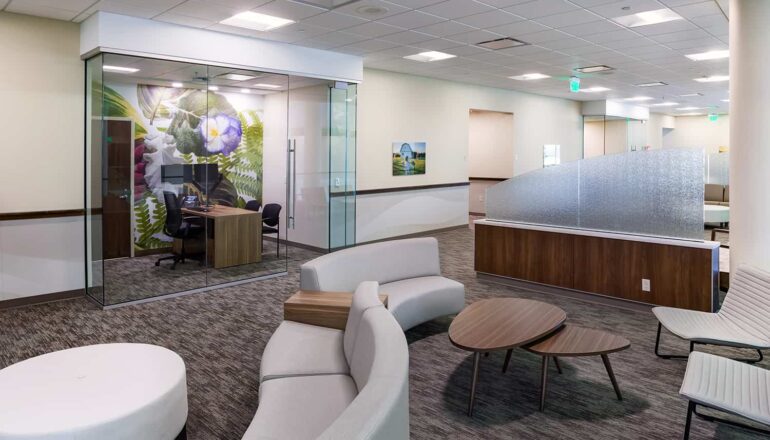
[(681, 273)]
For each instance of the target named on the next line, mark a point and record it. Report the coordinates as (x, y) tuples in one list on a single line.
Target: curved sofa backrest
[(383, 262), (380, 367)]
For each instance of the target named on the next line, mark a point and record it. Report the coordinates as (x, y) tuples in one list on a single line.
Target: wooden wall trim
[(410, 188), (40, 299), (32, 215)]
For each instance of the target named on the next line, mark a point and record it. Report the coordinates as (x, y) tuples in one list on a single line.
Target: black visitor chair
[(271, 219), (177, 226)]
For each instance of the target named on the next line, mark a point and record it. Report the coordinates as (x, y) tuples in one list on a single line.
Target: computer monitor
[(206, 178)]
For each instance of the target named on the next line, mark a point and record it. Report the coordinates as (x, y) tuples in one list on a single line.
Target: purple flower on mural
[(221, 133)]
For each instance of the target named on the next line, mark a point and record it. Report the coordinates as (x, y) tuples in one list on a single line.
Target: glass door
[(342, 165)]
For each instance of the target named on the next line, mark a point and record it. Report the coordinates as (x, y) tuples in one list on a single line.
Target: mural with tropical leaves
[(187, 126)]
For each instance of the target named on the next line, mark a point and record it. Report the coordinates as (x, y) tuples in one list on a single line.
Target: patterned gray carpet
[(221, 335)]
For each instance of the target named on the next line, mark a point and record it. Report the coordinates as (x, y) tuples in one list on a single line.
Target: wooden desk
[(325, 309), (233, 235)]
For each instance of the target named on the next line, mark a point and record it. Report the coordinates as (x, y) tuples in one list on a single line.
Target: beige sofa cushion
[(421, 299), (364, 298), (302, 349), (713, 193), (301, 407), (385, 262)]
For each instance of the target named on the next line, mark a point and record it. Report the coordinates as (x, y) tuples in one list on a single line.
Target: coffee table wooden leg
[(556, 362), (543, 382), (476, 359), (507, 360), (607, 365)]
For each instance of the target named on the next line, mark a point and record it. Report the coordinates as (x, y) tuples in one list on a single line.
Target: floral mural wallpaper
[(187, 126)]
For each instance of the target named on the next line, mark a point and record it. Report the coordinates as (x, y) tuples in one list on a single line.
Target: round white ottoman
[(97, 392)]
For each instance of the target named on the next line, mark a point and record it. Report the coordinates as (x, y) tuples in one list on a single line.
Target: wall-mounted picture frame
[(408, 158)]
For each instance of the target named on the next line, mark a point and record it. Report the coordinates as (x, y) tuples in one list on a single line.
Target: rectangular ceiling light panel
[(256, 21), (427, 57), (711, 55), (529, 76), (594, 69), (647, 18)]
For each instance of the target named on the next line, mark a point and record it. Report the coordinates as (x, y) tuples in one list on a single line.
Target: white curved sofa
[(322, 383), (408, 271)]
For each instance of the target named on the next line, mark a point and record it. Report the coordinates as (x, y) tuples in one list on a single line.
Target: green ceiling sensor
[(574, 84)]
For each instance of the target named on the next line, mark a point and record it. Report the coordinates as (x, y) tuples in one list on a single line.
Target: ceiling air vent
[(594, 69), (502, 43)]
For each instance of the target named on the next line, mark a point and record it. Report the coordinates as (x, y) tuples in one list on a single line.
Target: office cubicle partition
[(200, 176)]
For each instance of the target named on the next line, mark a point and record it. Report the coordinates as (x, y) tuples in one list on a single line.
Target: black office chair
[(177, 226), (271, 219), (253, 205)]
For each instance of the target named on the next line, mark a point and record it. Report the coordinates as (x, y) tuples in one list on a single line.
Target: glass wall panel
[(718, 169), (175, 176), (658, 192), (342, 166), (93, 180)]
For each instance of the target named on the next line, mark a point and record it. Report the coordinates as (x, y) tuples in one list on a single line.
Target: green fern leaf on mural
[(149, 222), (115, 105)]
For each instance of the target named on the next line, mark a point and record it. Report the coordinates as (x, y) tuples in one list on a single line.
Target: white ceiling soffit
[(105, 32), (562, 35)]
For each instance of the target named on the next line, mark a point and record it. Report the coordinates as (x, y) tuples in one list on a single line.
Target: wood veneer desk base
[(324, 309), (234, 235)]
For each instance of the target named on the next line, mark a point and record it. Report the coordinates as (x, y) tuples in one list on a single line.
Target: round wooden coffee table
[(502, 324)]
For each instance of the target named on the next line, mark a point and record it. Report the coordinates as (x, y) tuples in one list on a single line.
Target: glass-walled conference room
[(198, 176)]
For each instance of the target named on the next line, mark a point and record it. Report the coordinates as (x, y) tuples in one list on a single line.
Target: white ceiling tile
[(301, 29), (204, 11), (373, 45), (503, 3), (411, 20), (665, 28), (338, 38), (564, 43), (445, 28), (541, 8), (439, 44), (415, 4), (594, 27), (673, 3), (490, 19), (518, 28), (548, 35), (710, 20), (615, 9), (591, 3), (356, 8), (618, 35), (65, 5), (184, 20), (698, 9), (407, 37), (374, 29), (39, 10), (451, 9), (468, 50), (522, 50), (289, 9), (576, 17), (333, 20), (679, 36)]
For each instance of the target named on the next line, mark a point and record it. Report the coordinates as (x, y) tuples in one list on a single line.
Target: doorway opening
[(490, 154)]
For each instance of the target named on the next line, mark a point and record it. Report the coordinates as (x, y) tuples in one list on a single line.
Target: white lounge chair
[(743, 321), (728, 386)]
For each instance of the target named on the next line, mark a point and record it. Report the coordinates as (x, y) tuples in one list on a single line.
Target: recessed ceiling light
[(267, 86), (692, 114), (639, 98), (371, 10), (256, 21), (120, 69), (689, 95), (711, 55), (245, 91), (593, 69), (725, 100), (213, 88), (427, 57), (530, 76), (177, 85), (237, 77), (502, 43), (652, 84), (713, 78), (594, 89), (664, 104), (647, 18), (690, 108)]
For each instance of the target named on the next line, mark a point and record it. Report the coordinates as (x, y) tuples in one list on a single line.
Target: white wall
[(42, 114), (490, 144), (699, 132), (395, 107)]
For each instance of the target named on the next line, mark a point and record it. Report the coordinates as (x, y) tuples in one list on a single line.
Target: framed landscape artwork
[(408, 158)]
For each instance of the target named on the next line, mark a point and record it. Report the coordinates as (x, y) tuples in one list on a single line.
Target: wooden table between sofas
[(325, 309), (234, 235)]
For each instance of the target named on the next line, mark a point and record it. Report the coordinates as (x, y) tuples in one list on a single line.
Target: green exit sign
[(574, 84), (713, 117)]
